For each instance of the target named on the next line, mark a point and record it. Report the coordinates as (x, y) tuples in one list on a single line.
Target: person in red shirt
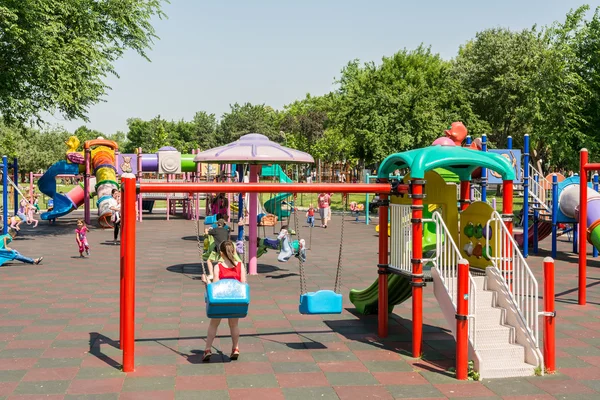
[(310, 216), (324, 201), (228, 268)]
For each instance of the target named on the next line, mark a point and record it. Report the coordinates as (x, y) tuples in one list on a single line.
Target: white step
[(489, 317), (502, 354), (514, 370), (490, 337)]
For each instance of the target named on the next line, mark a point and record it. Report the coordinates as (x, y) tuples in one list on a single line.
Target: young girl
[(226, 269), (29, 211), (81, 238), (310, 216)]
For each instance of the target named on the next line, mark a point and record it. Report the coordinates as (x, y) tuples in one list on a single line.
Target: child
[(6, 239), (50, 208), (14, 222), (29, 211), (226, 269), (81, 238), (220, 234), (115, 207), (310, 216)]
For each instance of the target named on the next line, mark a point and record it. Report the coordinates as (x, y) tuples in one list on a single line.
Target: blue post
[(536, 216), (16, 181), (469, 140), (367, 177), (595, 251), (4, 195), (509, 142), (483, 170), (554, 216), (575, 237), (525, 195)]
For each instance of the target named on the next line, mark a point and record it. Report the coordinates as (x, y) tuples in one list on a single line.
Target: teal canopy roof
[(460, 160)]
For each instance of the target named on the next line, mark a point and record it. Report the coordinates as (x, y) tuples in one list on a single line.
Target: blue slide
[(47, 185), (273, 206)]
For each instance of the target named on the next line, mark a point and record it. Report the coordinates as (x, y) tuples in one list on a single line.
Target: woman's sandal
[(207, 355), (235, 354)]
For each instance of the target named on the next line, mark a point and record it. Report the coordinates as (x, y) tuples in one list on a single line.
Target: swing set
[(224, 299)]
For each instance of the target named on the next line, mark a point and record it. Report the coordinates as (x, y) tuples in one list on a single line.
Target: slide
[(568, 206), (103, 164), (399, 288), (544, 230), (273, 205), (365, 301), (63, 203)]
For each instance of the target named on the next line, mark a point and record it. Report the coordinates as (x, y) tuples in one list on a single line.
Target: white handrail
[(401, 237), (537, 188), (518, 277), (446, 261)]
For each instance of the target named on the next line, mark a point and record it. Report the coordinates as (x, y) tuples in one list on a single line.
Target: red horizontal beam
[(214, 187), (592, 167)]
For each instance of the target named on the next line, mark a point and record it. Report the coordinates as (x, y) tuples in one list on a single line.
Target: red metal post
[(550, 316), (128, 242), (122, 277), (462, 322), (465, 195), (507, 216), (583, 160), (417, 265), (219, 187), (382, 306)]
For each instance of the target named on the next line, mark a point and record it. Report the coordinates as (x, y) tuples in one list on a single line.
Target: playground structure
[(426, 235), (429, 242)]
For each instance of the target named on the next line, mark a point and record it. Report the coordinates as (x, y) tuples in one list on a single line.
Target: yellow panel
[(438, 194), (473, 222)]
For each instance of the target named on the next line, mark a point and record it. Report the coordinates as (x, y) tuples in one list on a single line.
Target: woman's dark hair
[(227, 248), (114, 191)]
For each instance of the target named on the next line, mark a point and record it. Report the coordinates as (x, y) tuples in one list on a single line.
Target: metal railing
[(537, 187), (447, 256), (517, 276), (401, 237)]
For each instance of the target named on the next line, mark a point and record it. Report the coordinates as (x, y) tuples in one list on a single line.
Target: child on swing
[(228, 268)]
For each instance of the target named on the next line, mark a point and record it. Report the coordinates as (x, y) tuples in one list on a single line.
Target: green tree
[(40, 149), (56, 54), (304, 121), (525, 82), (248, 118), (9, 140), (405, 102)]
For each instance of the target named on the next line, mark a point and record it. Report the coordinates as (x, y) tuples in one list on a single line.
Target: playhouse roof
[(254, 148), (460, 160)]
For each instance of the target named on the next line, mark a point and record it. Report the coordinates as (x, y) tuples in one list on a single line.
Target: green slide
[(399, 289), (273, 205)]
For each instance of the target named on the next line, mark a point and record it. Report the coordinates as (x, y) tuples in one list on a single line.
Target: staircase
[(537, 190), (501, 342)]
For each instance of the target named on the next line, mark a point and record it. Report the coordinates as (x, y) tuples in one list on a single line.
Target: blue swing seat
[(227, 298), (210, 220), (321, 302)]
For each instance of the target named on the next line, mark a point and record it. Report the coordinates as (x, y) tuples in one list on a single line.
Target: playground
[(436, 300), (59, 328)]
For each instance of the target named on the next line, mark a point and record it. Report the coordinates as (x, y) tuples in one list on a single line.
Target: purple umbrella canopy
[(253, 148)]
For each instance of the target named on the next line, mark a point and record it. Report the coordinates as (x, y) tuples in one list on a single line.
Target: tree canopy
[(541, 81), (55, 54)]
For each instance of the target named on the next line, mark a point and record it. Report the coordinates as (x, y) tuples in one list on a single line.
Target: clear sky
[(215, 53)]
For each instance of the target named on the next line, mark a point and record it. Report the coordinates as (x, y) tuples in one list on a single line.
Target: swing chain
[(338, 275), (200, 247), (300, 262)]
